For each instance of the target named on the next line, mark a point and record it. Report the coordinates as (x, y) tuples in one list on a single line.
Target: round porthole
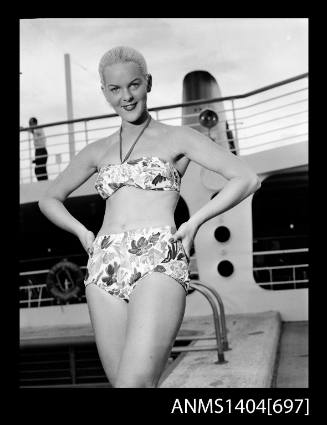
[(208, 118), (222, 234), (225, 268)]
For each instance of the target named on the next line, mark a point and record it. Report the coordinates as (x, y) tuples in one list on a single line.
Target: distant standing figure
[(41, 153)]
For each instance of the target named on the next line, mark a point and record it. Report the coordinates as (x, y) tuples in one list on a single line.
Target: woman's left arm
[(241, 180)]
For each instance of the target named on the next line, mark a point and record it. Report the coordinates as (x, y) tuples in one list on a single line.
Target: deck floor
[(292, 366), (253, 339)]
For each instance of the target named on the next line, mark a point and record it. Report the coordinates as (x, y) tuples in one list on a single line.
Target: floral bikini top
[(146, 172)]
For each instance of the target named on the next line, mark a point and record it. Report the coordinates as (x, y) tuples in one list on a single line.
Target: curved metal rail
[(222, 312), (219, 322)]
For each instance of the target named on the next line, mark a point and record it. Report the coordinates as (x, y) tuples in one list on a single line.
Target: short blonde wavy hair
[(122, 54)]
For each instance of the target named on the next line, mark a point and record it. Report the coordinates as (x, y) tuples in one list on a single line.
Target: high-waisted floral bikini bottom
[(118, 261)]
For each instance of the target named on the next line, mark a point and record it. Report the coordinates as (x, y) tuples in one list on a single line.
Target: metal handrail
[(291, 266), (49, 136), (221, 340), (241, 138), (222, 311), (283, 282), (281, 251)]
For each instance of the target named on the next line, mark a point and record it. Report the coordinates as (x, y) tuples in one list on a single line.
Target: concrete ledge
[(56, 335), (253, 339)]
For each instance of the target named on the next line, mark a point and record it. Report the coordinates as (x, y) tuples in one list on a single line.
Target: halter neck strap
[(131, 148)]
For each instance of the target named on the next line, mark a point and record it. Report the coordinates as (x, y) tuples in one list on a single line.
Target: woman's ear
[(149, 83), (104, 92)]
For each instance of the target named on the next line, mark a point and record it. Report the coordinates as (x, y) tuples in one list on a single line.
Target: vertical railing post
[(29, 297), (40, 296), (294, 276), (69, 101), (236, 142), (72, 364), (30, 155), (86, 132)]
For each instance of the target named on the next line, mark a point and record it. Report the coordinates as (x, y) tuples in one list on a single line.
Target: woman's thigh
[(155, 313), (109, 318)]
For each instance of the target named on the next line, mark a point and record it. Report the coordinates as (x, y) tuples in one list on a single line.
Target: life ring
[(64, 280)]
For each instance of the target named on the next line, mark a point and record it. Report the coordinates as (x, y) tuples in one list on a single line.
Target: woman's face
[(126, 90)]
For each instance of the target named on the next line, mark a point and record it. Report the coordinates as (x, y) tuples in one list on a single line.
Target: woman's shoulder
[(101, 144), (179, 135), (181, 130), (175, 137), (98, 148), (175, 130)]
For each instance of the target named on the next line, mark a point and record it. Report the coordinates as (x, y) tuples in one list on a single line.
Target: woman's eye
[(114, 89), (135, 85)]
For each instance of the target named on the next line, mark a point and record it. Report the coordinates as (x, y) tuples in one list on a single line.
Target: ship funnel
[(207, 118)]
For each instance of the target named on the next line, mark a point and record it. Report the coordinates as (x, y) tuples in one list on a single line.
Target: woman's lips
[(129, 107)]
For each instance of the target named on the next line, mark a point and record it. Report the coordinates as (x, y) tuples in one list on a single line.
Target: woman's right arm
[(80, 169)]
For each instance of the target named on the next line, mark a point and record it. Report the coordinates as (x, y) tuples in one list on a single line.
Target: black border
[(139, 403)]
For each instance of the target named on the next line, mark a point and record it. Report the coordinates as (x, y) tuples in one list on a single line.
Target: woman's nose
[(127, 96)]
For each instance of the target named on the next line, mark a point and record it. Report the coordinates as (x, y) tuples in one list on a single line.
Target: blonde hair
[(121, 54)]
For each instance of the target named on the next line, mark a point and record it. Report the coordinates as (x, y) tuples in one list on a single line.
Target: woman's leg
[(109, 318), (155, 313)]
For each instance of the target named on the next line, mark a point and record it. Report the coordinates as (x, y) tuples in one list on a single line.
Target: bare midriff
[(132, 208)]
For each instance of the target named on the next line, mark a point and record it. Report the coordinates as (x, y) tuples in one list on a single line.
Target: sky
[(243, 54)]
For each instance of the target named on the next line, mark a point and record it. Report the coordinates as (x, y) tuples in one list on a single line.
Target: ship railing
[(36, 294), (220, 335), (265, 118), (296, 274), (35, 298)]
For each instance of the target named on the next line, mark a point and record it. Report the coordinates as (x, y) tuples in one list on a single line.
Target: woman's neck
[(134, 127)]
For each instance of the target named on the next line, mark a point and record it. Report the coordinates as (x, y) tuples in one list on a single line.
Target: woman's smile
[(130, 107)]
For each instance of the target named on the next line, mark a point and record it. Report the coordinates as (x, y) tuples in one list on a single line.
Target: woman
[(137, 274)]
